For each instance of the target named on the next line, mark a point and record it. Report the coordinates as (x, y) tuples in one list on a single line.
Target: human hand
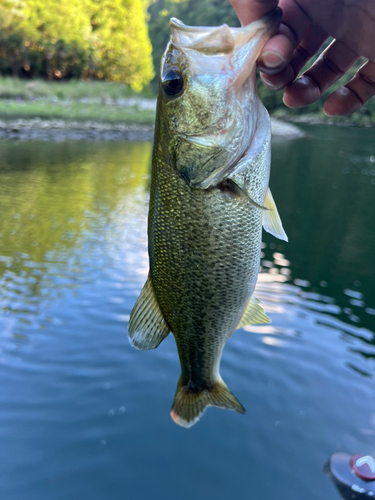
[(305, 26)]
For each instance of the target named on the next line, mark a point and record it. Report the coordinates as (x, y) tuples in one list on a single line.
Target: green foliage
[(23, 89), (105, 39), (121, 47), (77, 111)]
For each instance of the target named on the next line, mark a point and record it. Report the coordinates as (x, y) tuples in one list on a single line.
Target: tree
[(105, 39), (11, 40), (50, 27), (120, 37)]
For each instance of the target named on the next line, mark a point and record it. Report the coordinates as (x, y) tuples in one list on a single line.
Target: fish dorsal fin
[(254, 314), (271, 218), (147, 326)]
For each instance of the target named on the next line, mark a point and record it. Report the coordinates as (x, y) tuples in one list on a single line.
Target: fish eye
[(172, 83)]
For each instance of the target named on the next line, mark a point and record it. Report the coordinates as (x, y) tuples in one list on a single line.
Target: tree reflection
[(56, 201)]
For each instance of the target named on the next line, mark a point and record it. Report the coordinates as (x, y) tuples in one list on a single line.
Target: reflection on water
[(329, 213), (57, 202), (85, 415)]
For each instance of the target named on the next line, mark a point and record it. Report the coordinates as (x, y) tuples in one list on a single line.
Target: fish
[(209, 198)]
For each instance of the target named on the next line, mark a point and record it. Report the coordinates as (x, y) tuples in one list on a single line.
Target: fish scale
[(200, 258)]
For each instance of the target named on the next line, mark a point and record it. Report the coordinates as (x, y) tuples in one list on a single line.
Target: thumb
[(251, 10)]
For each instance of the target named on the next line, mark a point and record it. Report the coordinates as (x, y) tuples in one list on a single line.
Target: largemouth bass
[(209, 199)]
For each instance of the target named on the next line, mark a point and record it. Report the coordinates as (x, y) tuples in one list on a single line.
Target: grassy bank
[(15, 88), (117, 103), (75, 100), (71, 110)]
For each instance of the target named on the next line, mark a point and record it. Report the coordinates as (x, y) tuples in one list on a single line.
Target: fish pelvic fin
[(271, 218), (147, 326), (254, 314), (189, 405)]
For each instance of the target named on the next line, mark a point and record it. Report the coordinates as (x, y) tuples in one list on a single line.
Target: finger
[(310, 44), (312, 41), (278, 51), (251, 10), (354, 94), (279, 80), (331, 65)]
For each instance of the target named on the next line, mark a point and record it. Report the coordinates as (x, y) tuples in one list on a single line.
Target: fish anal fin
[(147, 326), (271, 218), (188, 406), (254, 314)]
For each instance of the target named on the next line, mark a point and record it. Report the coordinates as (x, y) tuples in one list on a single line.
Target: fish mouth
[(235, 50), (270, 20), (223, 39)]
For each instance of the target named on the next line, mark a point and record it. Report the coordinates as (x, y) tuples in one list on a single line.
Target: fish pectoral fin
[(271, 218), (189, 406), (254, 314), (147, 326)]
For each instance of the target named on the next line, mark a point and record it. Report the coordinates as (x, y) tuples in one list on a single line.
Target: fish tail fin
[(189, 405)]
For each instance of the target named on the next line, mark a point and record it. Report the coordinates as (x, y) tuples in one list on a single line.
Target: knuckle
[(314, 81), (356, 95), (290, 33), (332, 66), (303, 53)]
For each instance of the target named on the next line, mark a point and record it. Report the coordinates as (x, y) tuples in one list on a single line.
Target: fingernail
[(285, 101), (268, 84), (272, 59)]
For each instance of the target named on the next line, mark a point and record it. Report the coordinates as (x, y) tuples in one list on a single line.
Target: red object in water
[(364, 466)]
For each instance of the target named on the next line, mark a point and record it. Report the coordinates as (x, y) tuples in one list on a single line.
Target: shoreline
[(38, 129), (116, 118), (318, 119), (58, 130)]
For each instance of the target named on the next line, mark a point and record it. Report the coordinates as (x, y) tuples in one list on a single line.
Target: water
[(83, 415)]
